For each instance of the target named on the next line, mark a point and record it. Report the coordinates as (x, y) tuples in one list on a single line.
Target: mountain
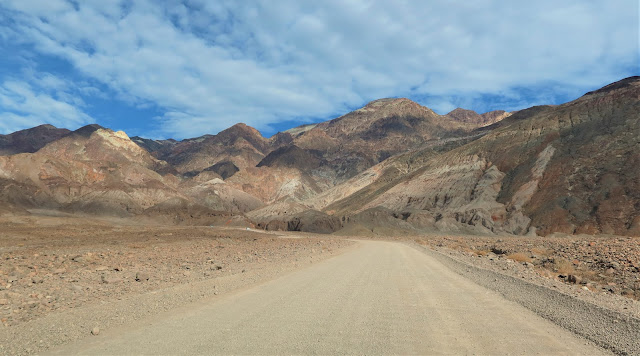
[(29, 140), (392, 165), (97, 171), (360, 139), (304, 161), (572, 168), (157, 148), (240, 144)]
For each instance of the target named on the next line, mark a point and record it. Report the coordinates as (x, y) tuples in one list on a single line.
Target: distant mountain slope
[(240, 144), (362, 138), (97, 171), (316, 156), (29, 140), (571, 168)]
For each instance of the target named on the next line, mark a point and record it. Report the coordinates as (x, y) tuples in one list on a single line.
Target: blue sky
[(186, 68)]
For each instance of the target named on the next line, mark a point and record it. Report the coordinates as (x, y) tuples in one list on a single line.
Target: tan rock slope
[(97, 171)]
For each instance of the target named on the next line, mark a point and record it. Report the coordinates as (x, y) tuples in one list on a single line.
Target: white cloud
[(210, 64), (26, 105)]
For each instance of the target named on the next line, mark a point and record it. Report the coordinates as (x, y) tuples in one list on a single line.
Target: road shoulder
[(609, 329)]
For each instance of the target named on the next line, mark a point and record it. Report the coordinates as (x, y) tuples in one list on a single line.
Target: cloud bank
[(208, 65)]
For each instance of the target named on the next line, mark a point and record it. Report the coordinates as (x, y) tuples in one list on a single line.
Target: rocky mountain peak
[(241, 128), (389, 104), (46, 126), (244, 131), (96, 143), (30, 140), (463, 115)]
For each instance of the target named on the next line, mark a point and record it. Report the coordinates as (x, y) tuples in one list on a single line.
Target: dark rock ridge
[(29, 140), (306, 221), (293, 156), (225, 169)]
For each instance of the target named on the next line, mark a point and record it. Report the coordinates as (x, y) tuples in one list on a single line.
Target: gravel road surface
[(379, 298)]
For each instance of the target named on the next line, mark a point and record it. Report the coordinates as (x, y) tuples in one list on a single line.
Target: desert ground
[(81, 285)]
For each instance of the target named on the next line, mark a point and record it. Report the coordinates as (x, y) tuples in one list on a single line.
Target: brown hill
[(29, 140), (240, 144)]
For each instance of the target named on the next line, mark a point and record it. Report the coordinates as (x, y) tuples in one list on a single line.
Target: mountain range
[(391, 166)]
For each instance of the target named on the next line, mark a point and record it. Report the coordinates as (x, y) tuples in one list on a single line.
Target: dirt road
[(379, 298)]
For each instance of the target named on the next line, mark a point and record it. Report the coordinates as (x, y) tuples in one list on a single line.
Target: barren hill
[(571, 168), (240, 144)]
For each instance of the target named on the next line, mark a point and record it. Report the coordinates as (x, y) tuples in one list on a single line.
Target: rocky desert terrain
[(64, 278), (55, 265), (98, 229), (601, 264)]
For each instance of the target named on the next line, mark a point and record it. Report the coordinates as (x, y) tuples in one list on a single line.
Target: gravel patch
[(618, 332)]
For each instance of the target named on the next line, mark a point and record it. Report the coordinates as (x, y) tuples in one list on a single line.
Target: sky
[(181, 69)]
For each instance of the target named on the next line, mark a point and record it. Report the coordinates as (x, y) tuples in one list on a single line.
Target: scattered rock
[(142, 277), (95, 331)]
